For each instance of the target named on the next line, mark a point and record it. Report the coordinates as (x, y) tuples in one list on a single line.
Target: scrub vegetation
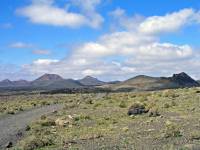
[(169, 120)]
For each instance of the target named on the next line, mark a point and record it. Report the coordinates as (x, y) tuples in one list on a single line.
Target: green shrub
[(166, 105), (82, 117), (43, 117), (70, 106), (48, 122), (122, 104), (195, 135), (97, 105), (89, 101), (153, 112), (34, 142), (171, 130), (45, 103)]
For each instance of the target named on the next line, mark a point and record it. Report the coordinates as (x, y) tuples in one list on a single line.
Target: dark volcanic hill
[(46, 79), (8, 83), (45, 82), (53, 81), (91, 81), (138, 83), (143, 83), (182, 79)]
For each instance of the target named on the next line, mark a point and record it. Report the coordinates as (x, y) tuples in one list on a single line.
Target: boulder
[(137, 109)]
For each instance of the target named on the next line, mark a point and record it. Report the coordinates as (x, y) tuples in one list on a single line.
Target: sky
[(107, 39)]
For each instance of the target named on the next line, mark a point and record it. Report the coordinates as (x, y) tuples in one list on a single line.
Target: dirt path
[(12, 126)]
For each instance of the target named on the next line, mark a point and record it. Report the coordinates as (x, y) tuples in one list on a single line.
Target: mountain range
[(139, 83)]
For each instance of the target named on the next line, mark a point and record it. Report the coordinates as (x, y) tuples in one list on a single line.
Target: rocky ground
[(159, 120)]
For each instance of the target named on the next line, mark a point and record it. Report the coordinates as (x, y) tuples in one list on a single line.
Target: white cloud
[(169, 23), (121, 19), (88, 8), (45, 61), (46, 12), (165, 51), (20, 45), (123, 54), (131, 44)]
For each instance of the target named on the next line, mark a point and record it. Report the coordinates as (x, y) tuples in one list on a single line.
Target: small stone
[(70, 117)]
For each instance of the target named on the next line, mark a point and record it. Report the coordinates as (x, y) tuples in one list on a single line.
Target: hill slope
[(143, 83), (53, 81)]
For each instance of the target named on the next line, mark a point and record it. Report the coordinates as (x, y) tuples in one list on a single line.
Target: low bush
[(47, 122), (171, 130), (34, 142), (153, 112), (122, 104), (195, 135)]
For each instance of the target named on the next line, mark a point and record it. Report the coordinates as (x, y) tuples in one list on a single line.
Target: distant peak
[(141, 76), (181, 75), (89, 80), (6, 80), (48, 77), (184, 79), (89, 77)]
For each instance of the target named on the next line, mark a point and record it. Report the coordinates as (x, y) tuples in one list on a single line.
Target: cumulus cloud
[(131, 44), (122, 20), (47, 13), (170, 22)]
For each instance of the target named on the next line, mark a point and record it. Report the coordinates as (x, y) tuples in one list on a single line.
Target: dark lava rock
[(19, 134), (137, 109), (9, 145)]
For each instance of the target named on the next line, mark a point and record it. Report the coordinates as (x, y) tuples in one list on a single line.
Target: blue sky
[(45, 36)]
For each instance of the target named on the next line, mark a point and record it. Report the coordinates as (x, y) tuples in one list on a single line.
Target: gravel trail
[(13, 126)]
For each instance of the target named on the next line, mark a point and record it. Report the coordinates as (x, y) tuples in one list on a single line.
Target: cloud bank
[(135, 48)]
